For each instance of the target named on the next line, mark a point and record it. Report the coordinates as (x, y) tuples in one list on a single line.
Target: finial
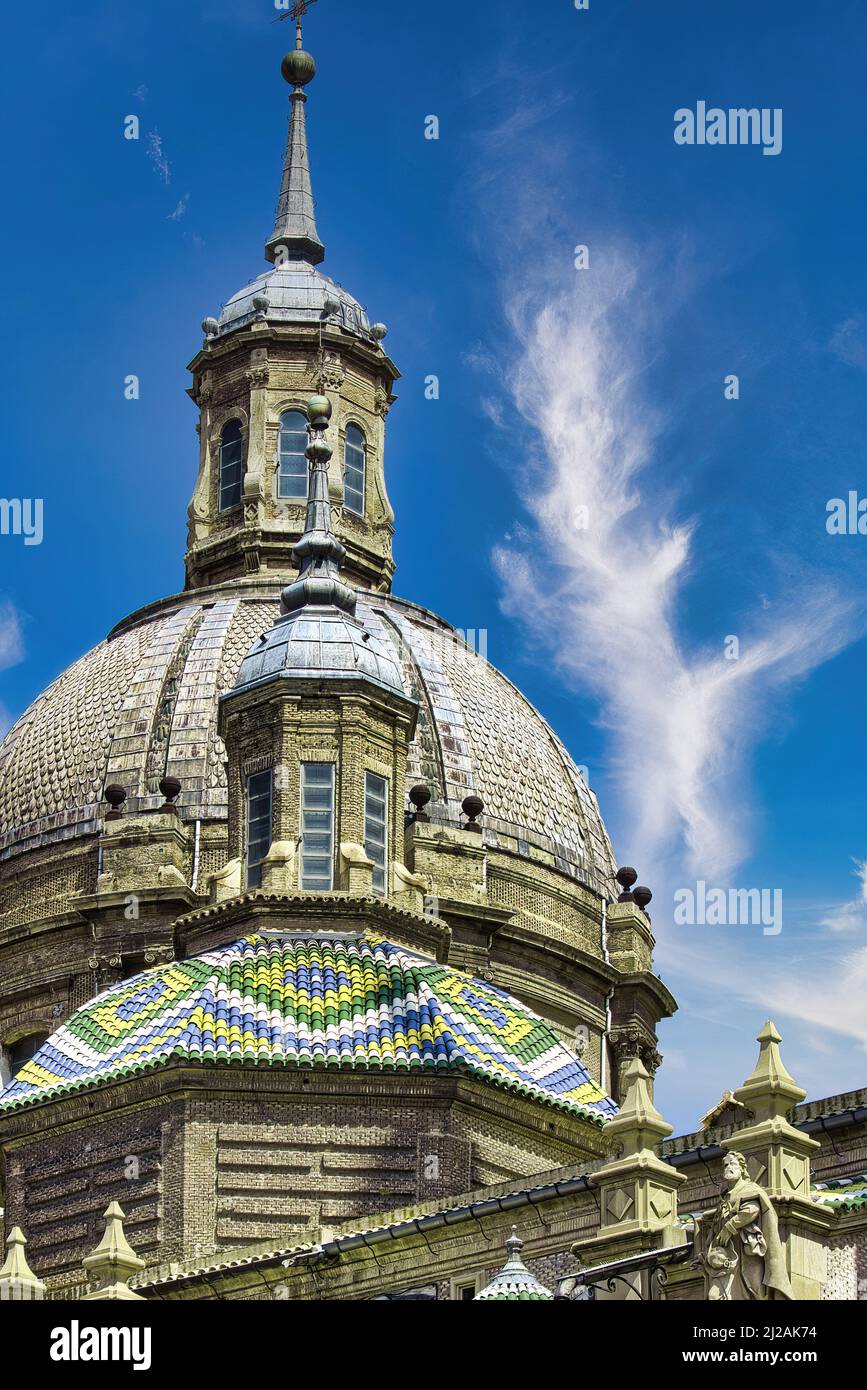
[(473, 806), (318, 553), (770, 1090), (113, 1262), (514, 1244), (170, 788), (638, 1125), (420, 796), (295, 237), (642, 896), (626, 877), (115, 796), (17, 1280)]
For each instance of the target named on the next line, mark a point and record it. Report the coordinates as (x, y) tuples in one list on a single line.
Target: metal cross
[(299, 8)]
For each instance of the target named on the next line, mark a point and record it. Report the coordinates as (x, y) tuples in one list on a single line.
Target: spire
[(17, 1280), (318, 553), (113, 1262), (295, 236)]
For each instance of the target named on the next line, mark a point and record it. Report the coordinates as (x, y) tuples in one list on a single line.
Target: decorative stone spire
[(17, 1280), (295, 236), (113, 1262), (769, 1090), (637, 1189), (318, 554)]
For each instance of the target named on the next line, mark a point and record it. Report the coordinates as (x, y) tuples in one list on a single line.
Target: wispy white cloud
[(157, 156), (852, 915), (11, 652), (603, 584), (849, 344), (180, 209), (11, 638), (828, 995)]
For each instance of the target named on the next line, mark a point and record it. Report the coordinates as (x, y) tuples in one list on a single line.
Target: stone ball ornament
[(420, 796)]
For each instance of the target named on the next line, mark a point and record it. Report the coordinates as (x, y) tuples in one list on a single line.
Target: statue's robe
[(743, 1227)]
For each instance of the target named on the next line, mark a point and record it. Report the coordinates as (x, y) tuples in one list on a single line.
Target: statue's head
[(734, 1168)]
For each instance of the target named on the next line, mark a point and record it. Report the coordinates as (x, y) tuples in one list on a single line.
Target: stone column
[(258, 480)]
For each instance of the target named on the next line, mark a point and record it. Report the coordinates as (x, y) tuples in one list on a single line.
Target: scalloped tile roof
[(147, 698), (514, 1283), (318, 1001)]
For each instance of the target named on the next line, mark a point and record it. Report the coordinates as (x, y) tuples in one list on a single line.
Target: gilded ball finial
[(298, 67)]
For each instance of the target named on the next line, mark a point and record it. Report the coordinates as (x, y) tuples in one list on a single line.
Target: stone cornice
[(305, 914)]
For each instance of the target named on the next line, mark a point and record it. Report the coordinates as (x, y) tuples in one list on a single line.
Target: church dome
[(296, 292), (354, 1002), (145, 702)]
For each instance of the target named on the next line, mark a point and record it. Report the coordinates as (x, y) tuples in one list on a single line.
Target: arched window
[(231, 465), (354, 456), (292, 476)]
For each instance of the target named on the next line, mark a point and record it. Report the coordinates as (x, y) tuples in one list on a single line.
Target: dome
[(296, 293), (514, 1283), (353, 1002), (321, 643), (145, 700)]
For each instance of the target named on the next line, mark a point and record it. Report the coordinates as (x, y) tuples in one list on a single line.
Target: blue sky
[(560, 388)]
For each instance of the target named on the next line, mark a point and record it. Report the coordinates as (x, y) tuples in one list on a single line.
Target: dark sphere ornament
[(642, 896), (298, 67), (472, 806), (115, 795), (626, 877), (420, 796), (170, 788)]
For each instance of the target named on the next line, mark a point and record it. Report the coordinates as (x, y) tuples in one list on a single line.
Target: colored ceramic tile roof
[(319, 1001), (843, 1194), (514, 1283)]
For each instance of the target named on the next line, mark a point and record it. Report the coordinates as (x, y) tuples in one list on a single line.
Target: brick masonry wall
[(263, 1162)]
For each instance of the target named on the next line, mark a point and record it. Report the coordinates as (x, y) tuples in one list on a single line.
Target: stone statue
[(737, 1245)]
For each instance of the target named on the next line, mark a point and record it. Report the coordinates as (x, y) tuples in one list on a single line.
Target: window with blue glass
[(354, 464), (231, 465), (317, 827), (376, 827), (260, 789), (292, 475)]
